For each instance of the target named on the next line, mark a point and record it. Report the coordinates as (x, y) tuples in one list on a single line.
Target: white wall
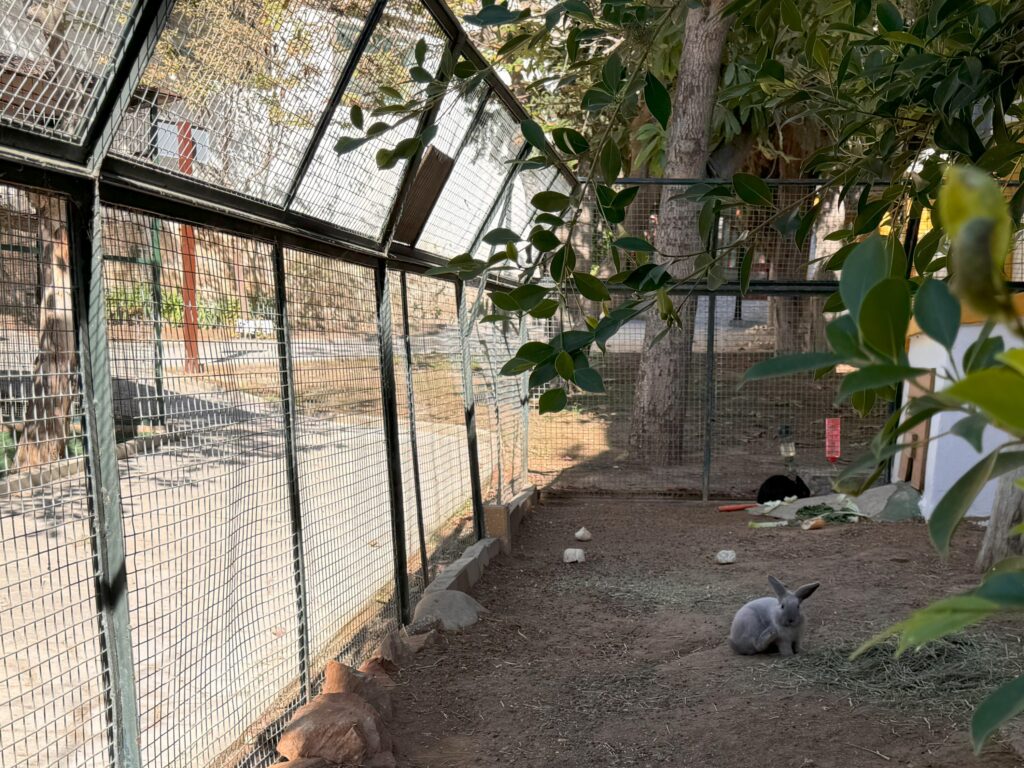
[(950, 457)]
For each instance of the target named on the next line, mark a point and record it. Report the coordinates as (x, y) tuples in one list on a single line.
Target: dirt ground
[(622, 661)]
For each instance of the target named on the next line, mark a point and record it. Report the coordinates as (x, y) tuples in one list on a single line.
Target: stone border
[(502, 520), (467, 570)]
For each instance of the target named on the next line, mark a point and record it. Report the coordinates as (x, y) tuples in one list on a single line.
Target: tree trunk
[(659, 409), (1007, 512), (47, 425)]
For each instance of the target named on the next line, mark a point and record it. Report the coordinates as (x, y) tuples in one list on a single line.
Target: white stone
[(725, 557), (573, 556), (453, 609), (583, 535)]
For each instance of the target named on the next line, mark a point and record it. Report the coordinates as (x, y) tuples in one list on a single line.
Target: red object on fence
[(190, 320), (833, 440)]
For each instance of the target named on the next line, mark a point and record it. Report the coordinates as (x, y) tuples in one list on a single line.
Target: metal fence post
[(86, 246), (156, 276), (410, 394), (524, 388), (469, 399), (291, 460), (709, 375), (709, 399), (389, 404)]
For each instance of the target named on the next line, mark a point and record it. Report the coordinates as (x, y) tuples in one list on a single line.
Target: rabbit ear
[(806, 591), (778, 586)]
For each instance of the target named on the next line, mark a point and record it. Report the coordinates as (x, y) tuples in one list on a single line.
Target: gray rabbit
[(769, 621)]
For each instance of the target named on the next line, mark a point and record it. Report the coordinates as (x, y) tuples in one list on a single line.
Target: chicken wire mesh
[(56, 60), (54, 696)]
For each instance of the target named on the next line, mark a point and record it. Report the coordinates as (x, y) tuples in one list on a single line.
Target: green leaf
[(971, 429), (588, 380), (544, 309), (420, 51), (843, 337), (863, 401), (570, 141), (348, 143), (937, 312), (635, 244), (544, 240), (997, 392), (889, 17), (528, 296), (1013, 358), (493, 16), (552, 401), (535, 351), (542, 374), (954, 505), (789, 364), (658, 101), (982, 353), (610, 161), (751, 189), (865, 267), (590, 287), (501, 237), (516, 366), (356, 116), (420, 75), (1006, 702), (791, 16), (550, 202), (745, 266), (611, 73), (563, 263), (564, 365), (885, 316), (533, 134), (875, 377), (596, 99), (773, 70)]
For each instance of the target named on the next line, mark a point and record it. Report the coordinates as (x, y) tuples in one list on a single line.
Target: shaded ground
[(622, 661)]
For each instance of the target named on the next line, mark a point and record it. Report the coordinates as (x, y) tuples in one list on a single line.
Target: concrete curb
[(502, 520), (467, 570)]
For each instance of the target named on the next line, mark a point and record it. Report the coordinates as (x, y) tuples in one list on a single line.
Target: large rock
[(455, 610), (340, 728), (341, 678)]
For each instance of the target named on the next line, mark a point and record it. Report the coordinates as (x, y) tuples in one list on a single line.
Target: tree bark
[(47, 425), (659, 409), (1007, 512)]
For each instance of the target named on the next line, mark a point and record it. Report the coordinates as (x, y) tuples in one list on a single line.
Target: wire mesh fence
[(688, 428)]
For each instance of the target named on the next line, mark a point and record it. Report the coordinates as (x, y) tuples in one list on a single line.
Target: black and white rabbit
[(779, 487)]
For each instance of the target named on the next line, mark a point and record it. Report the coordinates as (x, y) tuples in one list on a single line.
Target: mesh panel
[(748, 421), (53, 697), (498, 402), (514, 210), (207, 522), (476, 180), (235, 90), (56, 61), (350, 190), (346, 509), (587, 447), (445, 495)]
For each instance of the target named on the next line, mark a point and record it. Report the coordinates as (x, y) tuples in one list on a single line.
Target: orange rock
[(341, 678), (338, 727)]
